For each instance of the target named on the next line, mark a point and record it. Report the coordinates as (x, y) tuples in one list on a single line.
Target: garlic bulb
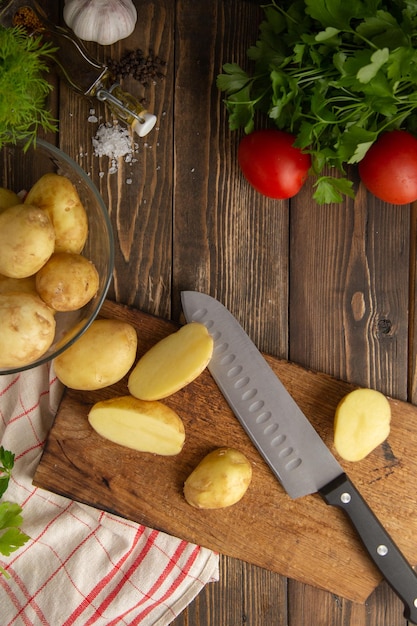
[(102, 21)]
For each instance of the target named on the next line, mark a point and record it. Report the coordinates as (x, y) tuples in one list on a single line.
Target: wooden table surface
[(329, 287)]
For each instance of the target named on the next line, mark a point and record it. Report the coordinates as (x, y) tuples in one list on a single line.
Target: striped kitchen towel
[(82, 566)]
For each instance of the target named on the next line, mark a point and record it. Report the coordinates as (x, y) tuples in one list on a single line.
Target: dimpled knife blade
[(267, 412), (287, 441)]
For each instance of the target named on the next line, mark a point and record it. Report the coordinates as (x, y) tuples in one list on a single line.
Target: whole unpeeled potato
[(8, 198), (27, 240), (219, 480), (57, 195), (100, 357), (67, 281), (27, 284), (27, 328)]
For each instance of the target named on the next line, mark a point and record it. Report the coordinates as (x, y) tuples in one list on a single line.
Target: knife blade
[(288, 442)]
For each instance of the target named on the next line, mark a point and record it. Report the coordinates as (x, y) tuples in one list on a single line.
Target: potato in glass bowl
[(56, 254)]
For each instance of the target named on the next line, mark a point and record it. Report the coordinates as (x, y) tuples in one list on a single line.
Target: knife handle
[(383, 551)]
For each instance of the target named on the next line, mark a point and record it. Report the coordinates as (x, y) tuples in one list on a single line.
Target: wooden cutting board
[(303, 539)]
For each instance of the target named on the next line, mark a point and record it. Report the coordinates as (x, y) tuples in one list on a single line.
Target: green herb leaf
[(23, 92), (6, 465), (11, 537), (10, 515), (11, 540), (329, 189), (378, 59), (336, 74)]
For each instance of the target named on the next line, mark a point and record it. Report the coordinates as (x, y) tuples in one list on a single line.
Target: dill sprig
[(23, 86)]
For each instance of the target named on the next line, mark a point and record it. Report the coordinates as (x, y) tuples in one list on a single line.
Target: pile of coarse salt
[(113, 141)]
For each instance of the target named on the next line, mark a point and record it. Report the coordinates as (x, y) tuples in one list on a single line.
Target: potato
[(28, 284), (219, 480), (8, 198), (27, 240), (100, 357), (27, 328), (57, 195), (172, 363), (362, 422), (144, 426), (67, 281)]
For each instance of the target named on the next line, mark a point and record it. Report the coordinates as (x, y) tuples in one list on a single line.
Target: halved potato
[(100, 357), (57, 195), (172, 363), (144, 426), (362, 422), (219, 480)]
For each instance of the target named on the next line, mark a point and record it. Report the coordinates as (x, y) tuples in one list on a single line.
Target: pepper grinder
[(84, 74)]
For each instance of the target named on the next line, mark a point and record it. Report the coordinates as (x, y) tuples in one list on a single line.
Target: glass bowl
[(19, 170)]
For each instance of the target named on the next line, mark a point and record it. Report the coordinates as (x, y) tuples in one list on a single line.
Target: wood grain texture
[(266, 528), (139, 194), (331, 288)]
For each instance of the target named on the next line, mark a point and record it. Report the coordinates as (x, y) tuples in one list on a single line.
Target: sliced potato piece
[(27, 240), (172, 363), (362, 422), (27, 328), (58, 196), (100, 357), (219, 480), (144, 426), (67, 281)]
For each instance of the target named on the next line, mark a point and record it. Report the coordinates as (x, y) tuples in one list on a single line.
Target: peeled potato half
[(143, 426), (362, 422), (172, 363)]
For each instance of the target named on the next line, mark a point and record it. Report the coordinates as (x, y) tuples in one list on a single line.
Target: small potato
[(27, 328), (8, 198), (144, 426), (27, 240), (362, 422), (28, 284), (57, 195), (67, 281), (172, 363), (219, 480), (100, 357)]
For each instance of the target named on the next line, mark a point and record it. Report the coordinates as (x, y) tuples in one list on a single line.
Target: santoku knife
[(287, 441)]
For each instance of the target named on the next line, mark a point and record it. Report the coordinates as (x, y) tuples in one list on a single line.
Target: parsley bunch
[(23, 86), (336, 74), (11, 537)]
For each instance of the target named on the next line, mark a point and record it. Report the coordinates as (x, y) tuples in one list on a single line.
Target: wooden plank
[(228, 241), (139, 194), (267, 528), (349, 317)]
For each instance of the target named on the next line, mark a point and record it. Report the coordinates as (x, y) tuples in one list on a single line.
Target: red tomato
[(271, 164), (389, 168)]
